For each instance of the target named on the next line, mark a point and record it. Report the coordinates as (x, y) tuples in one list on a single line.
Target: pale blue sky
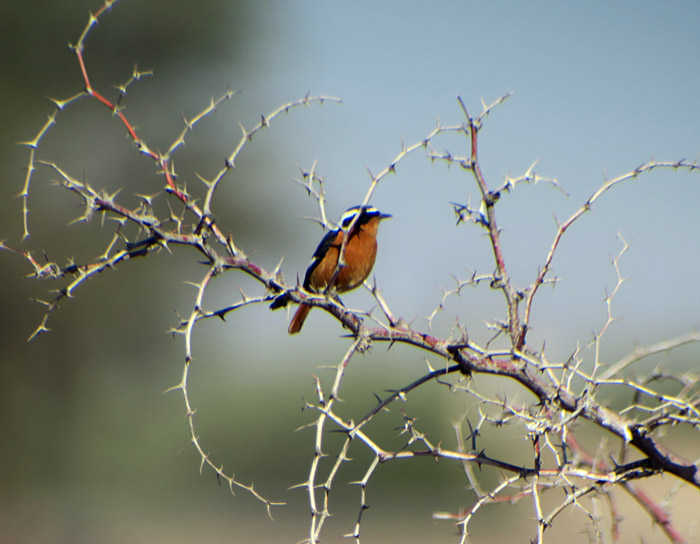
[(598, 88)]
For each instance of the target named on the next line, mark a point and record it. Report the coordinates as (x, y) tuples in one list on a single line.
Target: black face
[(366, 213)]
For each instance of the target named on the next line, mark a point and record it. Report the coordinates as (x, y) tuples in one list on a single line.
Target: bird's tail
[(299, 318)]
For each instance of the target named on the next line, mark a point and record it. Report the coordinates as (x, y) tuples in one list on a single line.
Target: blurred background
[(92, 448)]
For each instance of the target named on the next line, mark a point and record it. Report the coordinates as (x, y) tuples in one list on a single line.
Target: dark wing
[(320, 252)]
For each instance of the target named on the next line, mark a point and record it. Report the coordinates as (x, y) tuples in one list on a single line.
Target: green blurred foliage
[(87, 425)]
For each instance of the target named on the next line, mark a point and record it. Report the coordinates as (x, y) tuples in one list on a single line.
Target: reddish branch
[(489, 199)]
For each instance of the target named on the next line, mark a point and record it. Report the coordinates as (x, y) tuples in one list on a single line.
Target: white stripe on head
[(350, 214)]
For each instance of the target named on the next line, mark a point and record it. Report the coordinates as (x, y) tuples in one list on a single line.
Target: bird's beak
[(385, 216)]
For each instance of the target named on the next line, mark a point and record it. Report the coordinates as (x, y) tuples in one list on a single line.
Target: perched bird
[(323, 274)]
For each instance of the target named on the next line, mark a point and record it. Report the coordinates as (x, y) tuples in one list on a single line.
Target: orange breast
[(360, 254)]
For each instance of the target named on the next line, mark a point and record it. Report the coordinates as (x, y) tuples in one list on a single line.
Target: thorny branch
[(155, 232), (563, 392)]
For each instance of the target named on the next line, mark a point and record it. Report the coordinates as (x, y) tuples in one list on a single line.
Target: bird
[(323, 274)]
